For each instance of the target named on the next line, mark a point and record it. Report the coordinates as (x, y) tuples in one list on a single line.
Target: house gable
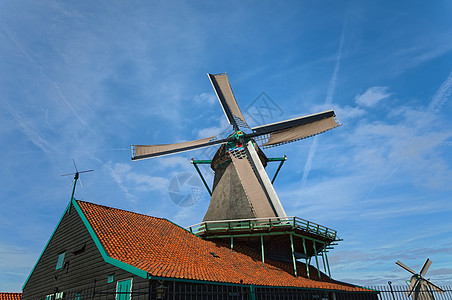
[(73, 258)]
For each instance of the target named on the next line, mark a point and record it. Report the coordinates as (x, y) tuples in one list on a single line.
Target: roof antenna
[(76, 177)]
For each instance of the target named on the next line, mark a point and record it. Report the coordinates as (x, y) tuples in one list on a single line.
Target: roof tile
[(10, 296)]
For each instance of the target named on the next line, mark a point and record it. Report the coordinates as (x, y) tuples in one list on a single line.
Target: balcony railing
[(258, 225)]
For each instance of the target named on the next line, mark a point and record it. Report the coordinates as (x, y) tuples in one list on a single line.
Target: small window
[(49, 297), (80, 249), (78, 296), (111, 278), (60, 261), (59, 296)]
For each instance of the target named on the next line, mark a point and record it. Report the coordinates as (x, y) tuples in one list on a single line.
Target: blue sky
[(86, 79)]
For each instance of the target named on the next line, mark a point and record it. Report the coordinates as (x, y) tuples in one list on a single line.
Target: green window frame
[(60, 261), (110, 278)]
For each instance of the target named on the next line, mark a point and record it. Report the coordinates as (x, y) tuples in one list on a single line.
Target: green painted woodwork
[(202, 177), (263, 224), (60, 261), (293, 256), (199, 162), (323, 260), (316, 259), (124, 289), (110, 278), (326, 258), (252, 295), (306, 252), (281, 160)]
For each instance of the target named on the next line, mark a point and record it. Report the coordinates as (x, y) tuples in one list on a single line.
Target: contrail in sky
[(33, 135), (441, 95), (328, 100), (438, 100), (16, 41)]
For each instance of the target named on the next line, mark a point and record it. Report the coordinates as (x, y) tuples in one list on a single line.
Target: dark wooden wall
[(80, 268)]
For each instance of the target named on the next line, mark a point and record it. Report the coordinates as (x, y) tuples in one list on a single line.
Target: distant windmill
[(242, 189), (421, 288)]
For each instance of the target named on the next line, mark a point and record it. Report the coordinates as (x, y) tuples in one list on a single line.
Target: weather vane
[(76, 177)]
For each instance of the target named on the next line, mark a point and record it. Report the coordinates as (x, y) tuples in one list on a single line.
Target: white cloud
[(175, 161), (205, 98), (223, 127), (349, 112), (123, 175), (372, 96), (147, 183)]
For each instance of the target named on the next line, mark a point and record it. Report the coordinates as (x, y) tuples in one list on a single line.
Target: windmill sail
[(433, 286), (147, 151), (220, 83), (296, 129), (425, 267)]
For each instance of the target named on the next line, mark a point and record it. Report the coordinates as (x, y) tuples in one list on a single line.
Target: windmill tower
[(244, 206), (421, 288)]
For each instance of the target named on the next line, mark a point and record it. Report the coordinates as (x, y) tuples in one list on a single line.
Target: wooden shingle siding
[(79, 270)]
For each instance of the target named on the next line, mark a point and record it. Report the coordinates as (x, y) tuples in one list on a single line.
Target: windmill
[(242, 188), (421, 288)]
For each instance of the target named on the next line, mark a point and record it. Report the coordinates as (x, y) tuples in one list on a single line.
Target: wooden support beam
[(316, 259), (326, 258), (293, 256), (306, 253)]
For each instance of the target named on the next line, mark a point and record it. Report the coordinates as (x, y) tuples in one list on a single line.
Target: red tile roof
[(10, 296), (164, 249)]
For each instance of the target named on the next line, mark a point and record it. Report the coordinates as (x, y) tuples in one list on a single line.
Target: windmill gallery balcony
[(281, 239)]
